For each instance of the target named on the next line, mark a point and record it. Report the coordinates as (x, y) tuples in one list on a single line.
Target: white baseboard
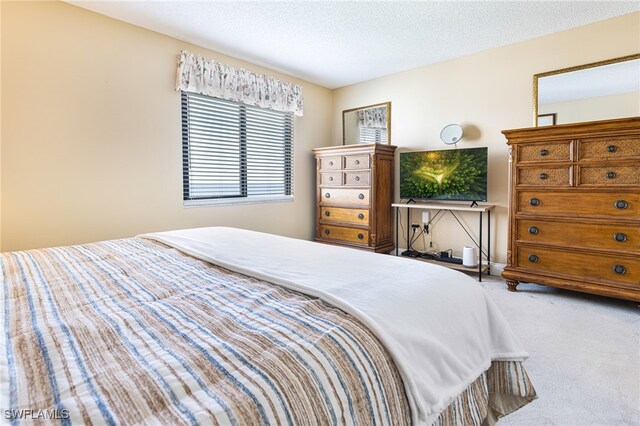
[(496, 268)]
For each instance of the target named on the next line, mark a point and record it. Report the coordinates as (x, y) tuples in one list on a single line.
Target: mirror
[(451, 134), (598, 91), (369, 124)]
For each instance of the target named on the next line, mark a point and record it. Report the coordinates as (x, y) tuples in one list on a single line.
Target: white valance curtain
[(373, 117), (208, 77)]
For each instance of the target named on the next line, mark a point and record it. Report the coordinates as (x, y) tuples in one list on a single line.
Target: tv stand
[(453, 209)]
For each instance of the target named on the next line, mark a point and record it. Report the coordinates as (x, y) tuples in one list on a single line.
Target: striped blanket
[(134, 332)]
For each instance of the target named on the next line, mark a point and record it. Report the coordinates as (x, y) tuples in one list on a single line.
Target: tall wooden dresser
[(354, 196), (574, 209)]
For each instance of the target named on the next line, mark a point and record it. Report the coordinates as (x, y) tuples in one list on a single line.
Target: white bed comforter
[(439, 326)]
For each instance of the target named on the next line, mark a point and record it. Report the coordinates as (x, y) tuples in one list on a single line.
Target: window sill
[(235, 201)]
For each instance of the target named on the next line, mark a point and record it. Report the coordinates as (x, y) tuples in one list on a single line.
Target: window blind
[(373, 135), (233, 151)]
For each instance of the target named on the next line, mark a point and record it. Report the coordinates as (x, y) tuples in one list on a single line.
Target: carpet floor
[(584, 355)]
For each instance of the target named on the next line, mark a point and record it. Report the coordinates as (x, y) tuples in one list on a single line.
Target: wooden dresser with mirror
[(574, 207), (354, 196)]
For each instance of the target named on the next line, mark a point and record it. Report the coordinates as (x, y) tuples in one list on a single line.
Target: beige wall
[(0, 126), (91, 146), (90, 143), (486, 92), (596, 108)]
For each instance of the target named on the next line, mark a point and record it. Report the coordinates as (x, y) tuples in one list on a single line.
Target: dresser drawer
[(587, 266), (550, 176), (609, 148), (331, 179), (331, 163), (576, 203), (609, 175), (352, 235), (357, 178), (542, 152), (356, 162), (345, 196), (336, 214), (571, 234)]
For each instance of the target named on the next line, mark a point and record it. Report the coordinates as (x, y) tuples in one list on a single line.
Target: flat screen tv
[(449, 174)]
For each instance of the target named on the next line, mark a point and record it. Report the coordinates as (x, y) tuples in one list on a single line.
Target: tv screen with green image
[(450, 174)]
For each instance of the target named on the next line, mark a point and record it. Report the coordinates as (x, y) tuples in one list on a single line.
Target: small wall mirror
[(451, 134), (368, 124), (598, 91)]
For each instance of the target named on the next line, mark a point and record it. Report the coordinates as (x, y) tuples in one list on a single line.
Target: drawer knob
[(620, 237), (360, 236), (534, 202), (326, 231), (360, 216), (357, 162), (331, 163), (533, 258), (619, 269), (327, 195), (361, 196), (330, 178), (544, 152), (357, 178), (327, 213), (612, 148), (543, 176), (533, 230), (621, 204), (611, 175)]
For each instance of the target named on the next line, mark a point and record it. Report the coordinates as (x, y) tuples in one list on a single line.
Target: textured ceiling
[(337, 43), (623, 77)]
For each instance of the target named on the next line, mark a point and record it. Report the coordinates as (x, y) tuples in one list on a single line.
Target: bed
[(228, 326)]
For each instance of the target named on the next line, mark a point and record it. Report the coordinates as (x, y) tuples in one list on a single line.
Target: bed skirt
[(502, 389)]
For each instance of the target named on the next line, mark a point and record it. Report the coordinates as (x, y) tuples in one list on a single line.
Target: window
[(233, 152)]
